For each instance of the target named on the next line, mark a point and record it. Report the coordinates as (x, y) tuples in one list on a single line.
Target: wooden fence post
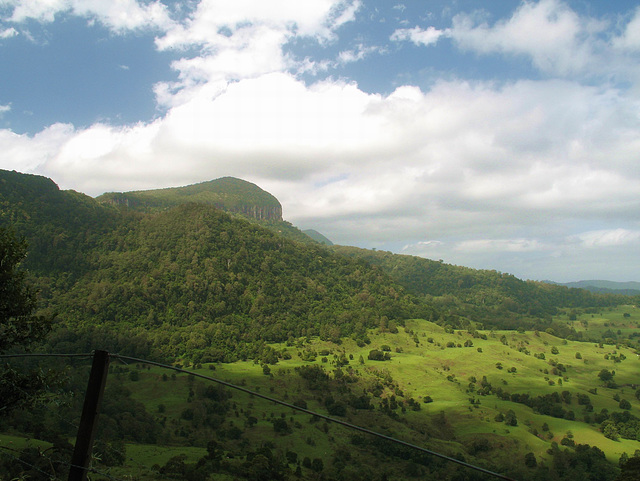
[(89, 420)]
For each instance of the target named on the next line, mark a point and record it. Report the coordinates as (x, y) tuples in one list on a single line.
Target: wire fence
[(45, 466)]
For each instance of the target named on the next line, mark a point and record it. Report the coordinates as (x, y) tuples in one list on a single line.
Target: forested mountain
[(188, 280), (493, 298), (235, 196), (179, 275), (406, 346), (227, 193), (607, 287)]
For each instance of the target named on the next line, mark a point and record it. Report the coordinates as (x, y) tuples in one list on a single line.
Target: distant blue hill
[(608, 287)]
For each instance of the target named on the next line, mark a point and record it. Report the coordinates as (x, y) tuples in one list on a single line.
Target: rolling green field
[(441, 367), (426, 361)]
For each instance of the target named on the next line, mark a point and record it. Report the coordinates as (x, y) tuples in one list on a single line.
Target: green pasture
[(10, 442), (437, 365)]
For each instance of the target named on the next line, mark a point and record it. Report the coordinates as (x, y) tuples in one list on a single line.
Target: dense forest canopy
[(192, 279), (173, 277), (494, 299)]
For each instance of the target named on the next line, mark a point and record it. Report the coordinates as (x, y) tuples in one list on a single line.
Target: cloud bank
[(539, 177)]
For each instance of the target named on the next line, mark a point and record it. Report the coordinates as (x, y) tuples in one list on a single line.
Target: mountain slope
[(235, 196), (490, 297), (191, 279), (227, 193), (625, 288)]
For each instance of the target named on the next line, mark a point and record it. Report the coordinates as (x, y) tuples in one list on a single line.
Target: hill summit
[(226, 193)]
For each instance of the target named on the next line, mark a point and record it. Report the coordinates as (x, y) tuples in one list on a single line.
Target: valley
[(526, 379)]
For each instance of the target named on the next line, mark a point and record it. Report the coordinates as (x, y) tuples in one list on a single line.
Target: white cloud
[(501, 245), (118, 15), (5, 108), (360, 52), (215, 22), (609, 238), (418, 36), (630, 37), (554, 36), (441, 158), (8, 33), (243, 39), (33, 154), (466, 171)]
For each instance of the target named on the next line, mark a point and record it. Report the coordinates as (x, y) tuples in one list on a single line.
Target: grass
[(450, 424)]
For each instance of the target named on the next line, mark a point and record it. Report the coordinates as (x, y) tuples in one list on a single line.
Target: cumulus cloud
[(468, 171), (630, 37), (417, 35), (355, 55), (8, 33), (549, 32), (33, 154), (609, 238), (214, 22), (555, 38), (501, 245), (120, 16), (245, 39)]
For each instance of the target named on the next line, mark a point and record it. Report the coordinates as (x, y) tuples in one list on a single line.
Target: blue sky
[(501, 135)]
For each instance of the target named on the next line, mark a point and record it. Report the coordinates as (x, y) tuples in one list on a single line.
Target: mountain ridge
[(629, 288), (226, 193)]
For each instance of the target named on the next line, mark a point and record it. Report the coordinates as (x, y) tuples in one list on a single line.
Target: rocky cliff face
[(229, 194), (259, 212)]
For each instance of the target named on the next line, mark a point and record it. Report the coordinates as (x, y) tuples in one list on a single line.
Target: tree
[(624, 404), (510, 418), (530, 460), (19, 327), (605, 375), (630, 470)]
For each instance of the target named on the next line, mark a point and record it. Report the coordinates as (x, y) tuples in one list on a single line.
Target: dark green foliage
[(630, 470), (376, 355), (18, 325), (280, 426), (33, 465), (581, 462), (123, 418), (530, 460), (606, 377), (315, 376), (110, 453), (510, 418), (190, 280), (493, 298)]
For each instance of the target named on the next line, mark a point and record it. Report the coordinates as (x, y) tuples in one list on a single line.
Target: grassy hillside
[(452, 391)]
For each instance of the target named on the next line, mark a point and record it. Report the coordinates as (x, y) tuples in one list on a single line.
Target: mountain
[(189, 279), (317, 236), (408, 347), (168, 272), (609, 287), (493, 298), (234, 196), (227, 193)]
